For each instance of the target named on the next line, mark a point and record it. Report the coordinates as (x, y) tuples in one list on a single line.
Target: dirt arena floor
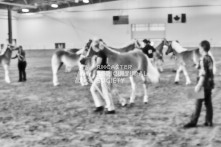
[(36, 114)]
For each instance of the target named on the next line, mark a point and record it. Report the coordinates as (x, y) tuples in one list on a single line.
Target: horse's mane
[(177, 47), (111, 49), (124, 47), (72, 50), (159, 48)]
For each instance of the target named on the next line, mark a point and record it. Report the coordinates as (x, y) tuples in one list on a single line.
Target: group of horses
[(129, 55)]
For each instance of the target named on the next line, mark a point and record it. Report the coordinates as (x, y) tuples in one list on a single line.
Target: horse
[(184, 55), (135, 59), (5, 59), (71, 57)]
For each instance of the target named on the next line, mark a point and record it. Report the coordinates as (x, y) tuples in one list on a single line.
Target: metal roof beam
[(18, 5)]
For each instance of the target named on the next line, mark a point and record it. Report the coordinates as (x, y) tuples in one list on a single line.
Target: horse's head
[(8, 48), (169, 46), (137, 44), (90, 50), (13, 48)]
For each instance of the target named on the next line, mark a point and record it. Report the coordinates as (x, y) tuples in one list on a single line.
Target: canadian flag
[(176, 18)]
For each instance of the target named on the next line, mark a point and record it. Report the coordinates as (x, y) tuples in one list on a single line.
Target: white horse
[(135, 59), (5, 58), (183, 56), (70, 58)]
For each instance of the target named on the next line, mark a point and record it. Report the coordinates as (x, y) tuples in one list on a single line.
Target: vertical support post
[(9, 24)]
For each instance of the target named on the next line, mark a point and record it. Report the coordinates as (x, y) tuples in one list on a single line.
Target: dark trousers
[(209, 108), (21, 68)]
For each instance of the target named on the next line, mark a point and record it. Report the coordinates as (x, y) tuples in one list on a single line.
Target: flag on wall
[(176, 18)]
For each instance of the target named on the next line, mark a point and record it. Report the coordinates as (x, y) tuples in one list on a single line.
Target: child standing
[(206, 83)]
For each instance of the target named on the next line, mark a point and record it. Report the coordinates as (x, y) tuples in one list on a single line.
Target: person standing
[(205, 83), (148, 49), (102, 78), (21, 64)]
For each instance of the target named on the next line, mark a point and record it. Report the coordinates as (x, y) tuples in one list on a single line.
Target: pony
[(69, 58), (5, 59), (135, 59), (183, 56)]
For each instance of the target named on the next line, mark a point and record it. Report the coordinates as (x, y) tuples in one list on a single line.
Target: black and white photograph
[(110, 73)]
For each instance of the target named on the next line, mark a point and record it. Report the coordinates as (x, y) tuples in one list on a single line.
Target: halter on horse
[(5, 58), (136, 59)]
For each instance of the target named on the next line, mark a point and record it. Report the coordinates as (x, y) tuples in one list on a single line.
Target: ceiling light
[(86, 1), (25, 10), (54, 5)]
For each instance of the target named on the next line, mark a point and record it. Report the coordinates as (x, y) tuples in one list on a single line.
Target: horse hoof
[(123, 105), (188, 83), (55, 85), (8, 82), (176, 83)]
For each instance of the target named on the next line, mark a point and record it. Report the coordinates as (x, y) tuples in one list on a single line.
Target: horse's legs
[(55, 63), (146, 97), (6, 68), (160, 66), (133, 86), (121, 100), (188, 81), (177, 78)]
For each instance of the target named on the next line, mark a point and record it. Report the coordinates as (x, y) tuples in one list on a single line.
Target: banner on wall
[(177, 18), (120, 20)]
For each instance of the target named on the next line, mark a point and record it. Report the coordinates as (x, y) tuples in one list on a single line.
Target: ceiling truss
[(44, 5)]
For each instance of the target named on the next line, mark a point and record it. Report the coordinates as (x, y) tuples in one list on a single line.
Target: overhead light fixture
[(85, 1), (25, 10), (54, 5)]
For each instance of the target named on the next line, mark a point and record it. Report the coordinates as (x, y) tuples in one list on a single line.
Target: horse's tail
[(55, 62), (60, 65), (152, 73)]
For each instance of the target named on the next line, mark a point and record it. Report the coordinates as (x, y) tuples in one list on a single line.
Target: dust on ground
[(36, 114)]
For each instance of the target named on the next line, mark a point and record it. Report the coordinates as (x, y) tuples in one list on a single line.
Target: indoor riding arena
[(110, 73)]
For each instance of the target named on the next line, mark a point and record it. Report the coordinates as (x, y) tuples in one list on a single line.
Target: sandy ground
[(36, 114)]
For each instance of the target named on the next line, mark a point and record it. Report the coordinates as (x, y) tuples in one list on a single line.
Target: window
[(151, 30), (139, 27), (157, 27), (148, 27)]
